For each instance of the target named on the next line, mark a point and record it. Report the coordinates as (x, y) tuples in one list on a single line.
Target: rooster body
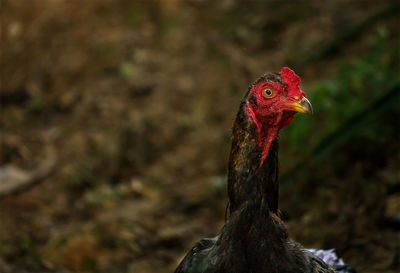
[(253, 240)]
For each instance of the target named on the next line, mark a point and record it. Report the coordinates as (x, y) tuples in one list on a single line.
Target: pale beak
[(303, 106)]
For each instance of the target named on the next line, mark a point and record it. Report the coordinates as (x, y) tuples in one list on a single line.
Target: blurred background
[(115, 126)]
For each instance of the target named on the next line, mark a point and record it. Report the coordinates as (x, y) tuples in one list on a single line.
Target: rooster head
[(273, 100)]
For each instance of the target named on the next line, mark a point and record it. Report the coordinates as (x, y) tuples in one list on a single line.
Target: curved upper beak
[(303, 106)]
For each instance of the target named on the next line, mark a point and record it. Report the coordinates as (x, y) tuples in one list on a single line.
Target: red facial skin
[(272, 114)]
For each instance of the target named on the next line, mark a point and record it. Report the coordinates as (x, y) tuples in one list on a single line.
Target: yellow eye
[(268, 93)]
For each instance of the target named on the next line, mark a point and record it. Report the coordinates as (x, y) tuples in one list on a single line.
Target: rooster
[(254, 239)]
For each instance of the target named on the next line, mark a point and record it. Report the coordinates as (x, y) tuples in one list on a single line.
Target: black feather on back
[(253, 240)]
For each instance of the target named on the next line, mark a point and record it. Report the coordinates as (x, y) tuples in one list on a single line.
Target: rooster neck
[(253, 162)]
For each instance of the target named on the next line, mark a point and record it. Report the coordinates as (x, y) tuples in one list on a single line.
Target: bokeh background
[(115, 125)]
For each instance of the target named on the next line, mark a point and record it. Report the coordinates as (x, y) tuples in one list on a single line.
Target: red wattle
[(265, 134), (268, 137)]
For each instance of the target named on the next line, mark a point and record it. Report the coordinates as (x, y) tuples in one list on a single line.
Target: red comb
[(292, 80)]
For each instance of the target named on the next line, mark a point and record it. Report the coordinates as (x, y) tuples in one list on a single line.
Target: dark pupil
[(268, 92)]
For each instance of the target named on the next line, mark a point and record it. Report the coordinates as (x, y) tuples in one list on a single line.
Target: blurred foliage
[(351, 104), (353, 32)]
